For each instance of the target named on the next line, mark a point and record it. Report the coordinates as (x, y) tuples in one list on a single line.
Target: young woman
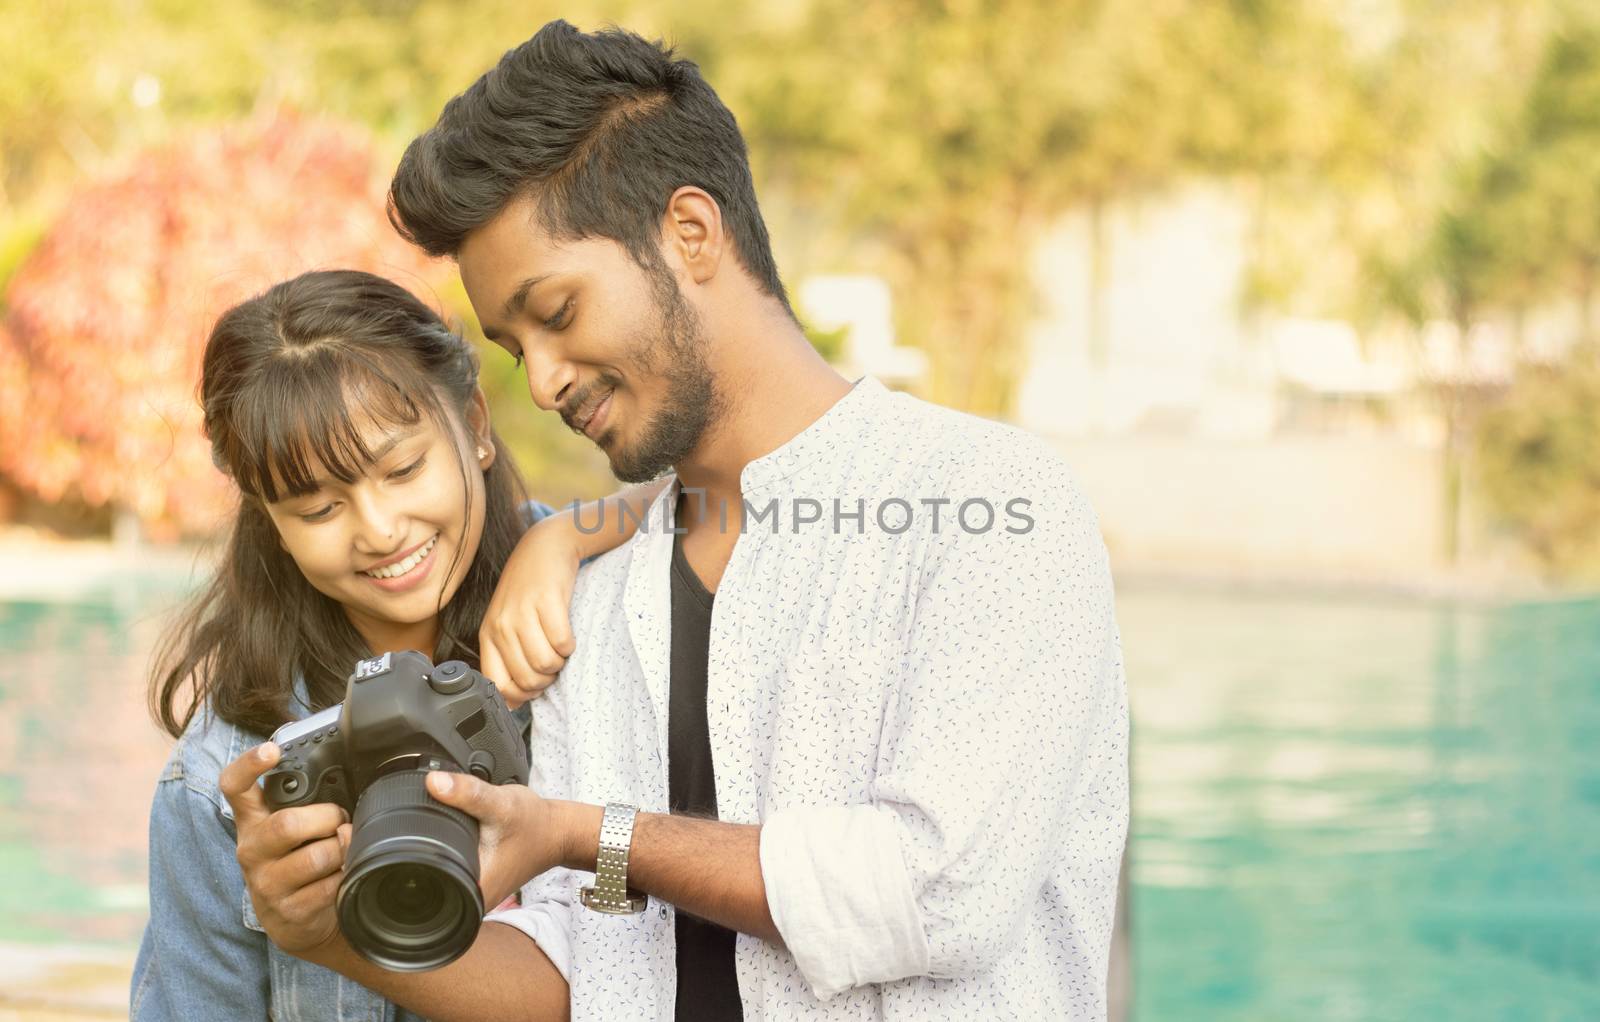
[(377, 513)]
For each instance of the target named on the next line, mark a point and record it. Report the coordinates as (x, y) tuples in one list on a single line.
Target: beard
[(676, 355)]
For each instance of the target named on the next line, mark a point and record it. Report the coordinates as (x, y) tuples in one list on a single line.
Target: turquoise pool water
[(1344, 809), (1364, 810)]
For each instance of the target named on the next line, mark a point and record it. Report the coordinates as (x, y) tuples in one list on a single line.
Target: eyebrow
[(321, 482), (514, 303)]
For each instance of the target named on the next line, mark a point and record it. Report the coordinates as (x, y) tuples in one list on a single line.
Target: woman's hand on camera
[(526, 634), (292, 859)]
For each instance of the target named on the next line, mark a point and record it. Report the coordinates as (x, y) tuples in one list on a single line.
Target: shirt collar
[(843, 423), (840, 425)]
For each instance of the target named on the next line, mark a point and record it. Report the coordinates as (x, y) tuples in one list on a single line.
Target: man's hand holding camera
[(520, 835)]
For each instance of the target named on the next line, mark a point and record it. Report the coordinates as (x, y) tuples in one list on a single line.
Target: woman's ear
[(480, 434)]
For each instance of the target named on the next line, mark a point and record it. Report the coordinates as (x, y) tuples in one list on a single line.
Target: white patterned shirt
[(928, 719)]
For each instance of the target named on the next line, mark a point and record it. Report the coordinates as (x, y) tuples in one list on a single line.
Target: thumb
[(553, 617), (464, 792)]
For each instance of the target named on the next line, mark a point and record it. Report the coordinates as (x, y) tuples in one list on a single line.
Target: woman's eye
[(319, 515), (558, 320), (408, 471)]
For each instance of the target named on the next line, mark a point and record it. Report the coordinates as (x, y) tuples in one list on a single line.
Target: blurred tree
[(935, 142), (1520, 218), (1533, 233), (941, 140), (1537, 453), (1561, 139), (106, 320), (945, 138), (948, 138), (1515, 225)]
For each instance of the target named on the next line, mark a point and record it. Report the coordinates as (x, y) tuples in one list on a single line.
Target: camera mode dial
[(450, 678)]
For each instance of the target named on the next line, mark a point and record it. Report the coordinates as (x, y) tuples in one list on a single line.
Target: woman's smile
[(406, 573)]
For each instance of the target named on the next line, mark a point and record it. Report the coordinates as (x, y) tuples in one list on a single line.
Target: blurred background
[(1305, 291)]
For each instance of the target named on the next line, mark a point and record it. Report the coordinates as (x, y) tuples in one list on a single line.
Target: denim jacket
[(204, 954)]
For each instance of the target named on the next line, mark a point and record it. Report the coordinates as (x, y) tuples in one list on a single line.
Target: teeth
[(401, 567)]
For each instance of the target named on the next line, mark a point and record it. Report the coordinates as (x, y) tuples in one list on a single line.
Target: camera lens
[(410, 899), (410, 895)]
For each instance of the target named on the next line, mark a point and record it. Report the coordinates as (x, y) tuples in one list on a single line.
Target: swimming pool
[(1364, 810), (1344, 809)]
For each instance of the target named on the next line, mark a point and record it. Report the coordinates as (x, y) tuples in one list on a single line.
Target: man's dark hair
[(601, 128)]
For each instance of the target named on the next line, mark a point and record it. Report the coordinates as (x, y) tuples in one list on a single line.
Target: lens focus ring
[(408, 851)]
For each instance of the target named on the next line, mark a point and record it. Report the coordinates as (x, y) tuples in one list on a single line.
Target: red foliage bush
[(106, 320)]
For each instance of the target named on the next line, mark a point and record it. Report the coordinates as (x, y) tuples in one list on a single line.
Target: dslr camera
[(409, 900)]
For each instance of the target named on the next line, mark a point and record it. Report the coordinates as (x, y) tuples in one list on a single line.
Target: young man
[(887, 776)]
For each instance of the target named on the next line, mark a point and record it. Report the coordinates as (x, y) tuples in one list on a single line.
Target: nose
[(382, 526), (550, 379)]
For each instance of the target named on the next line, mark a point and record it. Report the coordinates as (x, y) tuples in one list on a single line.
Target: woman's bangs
[(312, 419)]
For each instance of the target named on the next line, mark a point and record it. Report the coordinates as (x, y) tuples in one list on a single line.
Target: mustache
[(581, 404)]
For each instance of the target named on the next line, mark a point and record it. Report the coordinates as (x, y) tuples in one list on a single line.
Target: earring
[(482, 453)]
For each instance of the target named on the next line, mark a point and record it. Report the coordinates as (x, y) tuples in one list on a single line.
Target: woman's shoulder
[(206, 746), (536, 511)]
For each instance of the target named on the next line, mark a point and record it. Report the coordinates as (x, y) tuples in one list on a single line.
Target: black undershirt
[(708, 989)]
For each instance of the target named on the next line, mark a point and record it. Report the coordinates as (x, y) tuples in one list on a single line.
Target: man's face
[(611, 346)]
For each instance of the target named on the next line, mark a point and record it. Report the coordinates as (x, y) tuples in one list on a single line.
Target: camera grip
[(311, 771)]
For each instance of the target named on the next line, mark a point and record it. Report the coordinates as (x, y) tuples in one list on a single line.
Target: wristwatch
[(610, 893)]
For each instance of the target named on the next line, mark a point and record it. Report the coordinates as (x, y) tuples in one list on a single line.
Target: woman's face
[(393, 546)]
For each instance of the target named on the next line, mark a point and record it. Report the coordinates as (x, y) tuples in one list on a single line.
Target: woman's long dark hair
[(288, 380)]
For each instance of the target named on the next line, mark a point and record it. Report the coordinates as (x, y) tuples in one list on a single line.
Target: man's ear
[(691, 230), (479, 433)]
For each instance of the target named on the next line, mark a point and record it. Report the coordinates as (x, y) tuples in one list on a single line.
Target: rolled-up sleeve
[(1003, 757), (197, 958), (545, 914)]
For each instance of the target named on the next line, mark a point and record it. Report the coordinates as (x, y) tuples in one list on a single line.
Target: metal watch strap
[(610, 893)]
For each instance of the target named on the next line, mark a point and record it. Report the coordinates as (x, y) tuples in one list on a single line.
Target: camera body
[(400, 712), (410, 899)]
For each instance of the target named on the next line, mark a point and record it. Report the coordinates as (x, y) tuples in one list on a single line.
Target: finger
[(288, 829), (493, 644), (521, 683), (344, 839), (556, 621), (476, 798), (536, 684), (310, 902), (537, 651), (237, 782), (305, 865)]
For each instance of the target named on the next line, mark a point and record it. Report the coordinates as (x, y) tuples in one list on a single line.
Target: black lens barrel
[(410, 899)]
